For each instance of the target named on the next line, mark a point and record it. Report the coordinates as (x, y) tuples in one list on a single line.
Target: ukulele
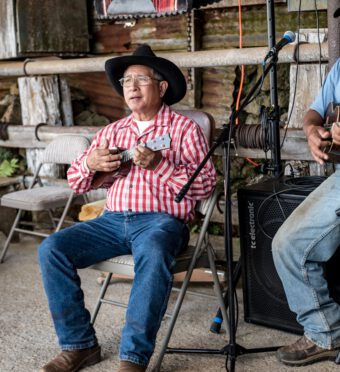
[(106, 178), (332, 118)]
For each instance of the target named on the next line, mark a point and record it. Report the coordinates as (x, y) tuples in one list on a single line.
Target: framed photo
[(135, 8)]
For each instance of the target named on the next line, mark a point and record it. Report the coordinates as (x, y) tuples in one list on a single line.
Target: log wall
[(219, 30)]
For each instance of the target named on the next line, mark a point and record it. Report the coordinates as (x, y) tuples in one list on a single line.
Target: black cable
[(308, 183), (291, 169), (266, 131), (255, 136), (257, 93), (36, 130)]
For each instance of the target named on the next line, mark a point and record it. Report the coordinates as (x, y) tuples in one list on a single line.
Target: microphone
[(288, 37)]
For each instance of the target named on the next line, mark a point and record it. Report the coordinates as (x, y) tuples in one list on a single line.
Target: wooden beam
[(295, 145), (23, 136)]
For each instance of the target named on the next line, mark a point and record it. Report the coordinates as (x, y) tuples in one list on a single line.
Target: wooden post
[(333, 32), (44, 99), (305, 84)]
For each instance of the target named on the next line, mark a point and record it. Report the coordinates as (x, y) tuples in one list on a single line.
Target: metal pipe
[(207, 58)]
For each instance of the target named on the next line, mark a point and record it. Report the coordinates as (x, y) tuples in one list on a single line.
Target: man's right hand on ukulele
[(102, 159)]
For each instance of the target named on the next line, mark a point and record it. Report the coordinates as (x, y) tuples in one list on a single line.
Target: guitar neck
[(159, 143), (332, 114)]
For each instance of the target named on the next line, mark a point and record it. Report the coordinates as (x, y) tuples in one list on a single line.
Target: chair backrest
[(64, 149), (207, 124), (203, 119)]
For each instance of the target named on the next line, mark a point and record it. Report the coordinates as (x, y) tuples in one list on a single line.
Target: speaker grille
[(262, 210)]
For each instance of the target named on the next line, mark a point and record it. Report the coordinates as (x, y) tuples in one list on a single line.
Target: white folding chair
[(39, 197)]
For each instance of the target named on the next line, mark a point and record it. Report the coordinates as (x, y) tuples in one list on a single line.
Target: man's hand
[(104, 160), (318, 140), (318, 137), (146, 158), (335, 131)]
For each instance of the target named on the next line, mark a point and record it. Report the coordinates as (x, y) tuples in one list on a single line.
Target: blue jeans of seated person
[(154, 240), (307, 239)]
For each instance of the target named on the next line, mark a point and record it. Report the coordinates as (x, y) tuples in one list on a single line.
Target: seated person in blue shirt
[(308, 238)]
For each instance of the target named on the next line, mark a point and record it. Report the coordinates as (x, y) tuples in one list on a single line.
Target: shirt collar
[(162, 118)]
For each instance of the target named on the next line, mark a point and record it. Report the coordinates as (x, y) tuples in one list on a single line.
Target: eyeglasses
[(139, 80)]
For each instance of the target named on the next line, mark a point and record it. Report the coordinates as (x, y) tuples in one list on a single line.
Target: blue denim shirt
[(330, 91)]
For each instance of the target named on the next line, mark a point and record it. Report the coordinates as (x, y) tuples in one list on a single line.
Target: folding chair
[(199, 255), (39, 197)]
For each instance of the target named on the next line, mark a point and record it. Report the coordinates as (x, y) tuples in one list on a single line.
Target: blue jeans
[(307, 239), (154, 240)]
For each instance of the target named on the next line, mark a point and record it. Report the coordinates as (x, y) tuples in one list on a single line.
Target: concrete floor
[(27, 339)]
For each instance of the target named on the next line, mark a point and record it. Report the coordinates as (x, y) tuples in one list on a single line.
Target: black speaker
[(263, 208)]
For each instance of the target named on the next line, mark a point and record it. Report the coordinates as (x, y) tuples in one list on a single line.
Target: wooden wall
[(219, 29)]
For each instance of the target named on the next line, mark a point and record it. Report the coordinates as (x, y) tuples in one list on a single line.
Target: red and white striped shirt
[(144, 190)]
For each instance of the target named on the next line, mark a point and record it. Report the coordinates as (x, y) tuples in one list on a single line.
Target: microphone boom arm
[(224, 134)]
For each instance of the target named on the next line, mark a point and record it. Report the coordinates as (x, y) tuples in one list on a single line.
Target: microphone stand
[(275, 117), (273, 120), (232, 349)]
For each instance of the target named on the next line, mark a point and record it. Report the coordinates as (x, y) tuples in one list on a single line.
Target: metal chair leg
[(67, 206), (52, 218), (178, 305), (10, 235), (100, 297), (174, 317)]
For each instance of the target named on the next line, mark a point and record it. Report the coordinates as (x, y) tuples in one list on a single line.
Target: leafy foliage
[(5, 154), (10, 162), (8, 167)]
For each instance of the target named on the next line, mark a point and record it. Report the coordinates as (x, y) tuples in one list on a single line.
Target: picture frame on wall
[(116, 8)]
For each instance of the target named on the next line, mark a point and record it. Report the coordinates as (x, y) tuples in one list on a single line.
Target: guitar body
[(333, 117), (105, 179), (100, 179)]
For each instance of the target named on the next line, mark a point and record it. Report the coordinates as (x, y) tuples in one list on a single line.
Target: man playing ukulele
[(141, 216)]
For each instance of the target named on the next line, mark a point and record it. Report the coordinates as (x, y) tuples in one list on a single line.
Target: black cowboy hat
[(337, 13), (144, 55)]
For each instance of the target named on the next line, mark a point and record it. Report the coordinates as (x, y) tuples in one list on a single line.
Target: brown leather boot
[(303, 352), (125, 366), (73, 360)]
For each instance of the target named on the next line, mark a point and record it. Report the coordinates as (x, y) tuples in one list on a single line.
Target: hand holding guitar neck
[(143, 158), (333, 125), (146, 158)]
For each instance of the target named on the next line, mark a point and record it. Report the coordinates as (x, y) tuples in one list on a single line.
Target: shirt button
[(160, 175), (131, 186)]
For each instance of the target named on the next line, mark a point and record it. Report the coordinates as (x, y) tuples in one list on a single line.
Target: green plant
[(215, 228), (8, 167), (6, 154)]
